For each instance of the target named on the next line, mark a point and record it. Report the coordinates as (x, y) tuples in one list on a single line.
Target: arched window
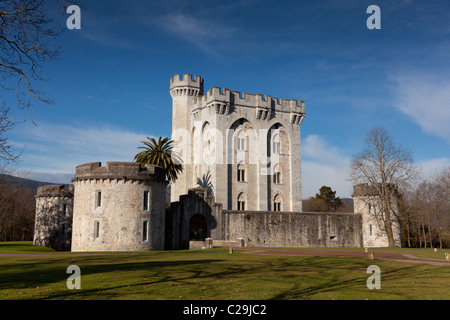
[(241, 201), (277, 203), (276, 174), (276, 144), (240, 141), (241, 172)]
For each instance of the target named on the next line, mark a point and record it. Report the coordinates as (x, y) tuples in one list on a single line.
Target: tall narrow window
[(277, 203), (241, 202), (370, 229), (240, 141), (145, 230), (240, 144), (240, 173), (276, 144), (146, 203), (64, 208), (276, 175), (98, 199), (96, 229)]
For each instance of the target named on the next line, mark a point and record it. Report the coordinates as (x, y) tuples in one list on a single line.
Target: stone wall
[(293, 229), (53, 221)]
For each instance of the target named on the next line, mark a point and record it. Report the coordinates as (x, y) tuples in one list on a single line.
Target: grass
[(23, 247), (212, 274)]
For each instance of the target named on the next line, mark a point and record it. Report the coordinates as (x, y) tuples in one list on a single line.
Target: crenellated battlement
[(366, 190), (54, 190), (186, 85), (223, 100), (118, 170), (219, 101)]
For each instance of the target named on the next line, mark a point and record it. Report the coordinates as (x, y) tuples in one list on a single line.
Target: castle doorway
[(197, 228)]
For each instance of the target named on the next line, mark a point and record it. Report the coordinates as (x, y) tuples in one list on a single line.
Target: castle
[(240, 186)]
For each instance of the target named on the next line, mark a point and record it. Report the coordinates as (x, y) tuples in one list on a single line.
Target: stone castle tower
[(53, 220), (244, 148), (119, 206), (368, 204)]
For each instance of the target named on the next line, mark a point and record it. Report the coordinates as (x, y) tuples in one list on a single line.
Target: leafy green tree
[(159, 152), (329, 197)]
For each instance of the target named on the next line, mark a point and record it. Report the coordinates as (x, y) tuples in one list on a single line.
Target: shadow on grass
[(102, 273), (115, 277), (334, 282)]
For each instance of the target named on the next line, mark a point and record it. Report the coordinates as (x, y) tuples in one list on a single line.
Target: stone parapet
[(119, 170), (57, 190)]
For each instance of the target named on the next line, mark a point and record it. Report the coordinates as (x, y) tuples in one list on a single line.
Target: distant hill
[(22, 182)]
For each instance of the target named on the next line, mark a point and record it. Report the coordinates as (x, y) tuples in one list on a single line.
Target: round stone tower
[(118, 207), (53, 222)]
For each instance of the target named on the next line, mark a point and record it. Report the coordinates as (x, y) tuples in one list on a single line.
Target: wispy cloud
[(324, 165), (56, 149), (431, 167), (425, 99), (204, 33)]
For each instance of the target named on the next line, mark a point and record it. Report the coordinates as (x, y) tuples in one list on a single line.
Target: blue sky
[(111, 83)]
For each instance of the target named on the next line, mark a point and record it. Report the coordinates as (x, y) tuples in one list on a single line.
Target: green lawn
[(23, 247), (212, 274)]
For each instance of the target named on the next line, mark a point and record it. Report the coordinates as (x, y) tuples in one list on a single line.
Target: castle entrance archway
[(197, 228)]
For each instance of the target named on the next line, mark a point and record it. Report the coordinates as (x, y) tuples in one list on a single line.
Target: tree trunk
[(407, 231)]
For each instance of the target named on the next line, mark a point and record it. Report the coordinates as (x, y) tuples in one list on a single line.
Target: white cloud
[(430, 168), (199, 32), (58, 149), (324, 165), (426, 99)]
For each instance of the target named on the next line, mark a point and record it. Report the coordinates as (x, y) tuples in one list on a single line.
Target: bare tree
[(26, 30), (426, 211), (385, 167), (6, 124)]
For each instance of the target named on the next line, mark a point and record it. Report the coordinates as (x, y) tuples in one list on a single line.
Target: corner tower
[(118, 207), (368, 203), (183, 89), (53, 223)]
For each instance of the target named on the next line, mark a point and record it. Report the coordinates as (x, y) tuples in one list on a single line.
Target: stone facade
[(368, 204), (53, 220), (118, 207), (245, 148)]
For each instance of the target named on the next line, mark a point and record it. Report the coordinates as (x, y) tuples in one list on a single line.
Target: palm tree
[(206, 183), (160, 154)]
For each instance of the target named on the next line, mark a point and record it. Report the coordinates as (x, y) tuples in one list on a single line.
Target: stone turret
[(186, 85), (118, 207), (53, 223), (368, 203), (183, 89)]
